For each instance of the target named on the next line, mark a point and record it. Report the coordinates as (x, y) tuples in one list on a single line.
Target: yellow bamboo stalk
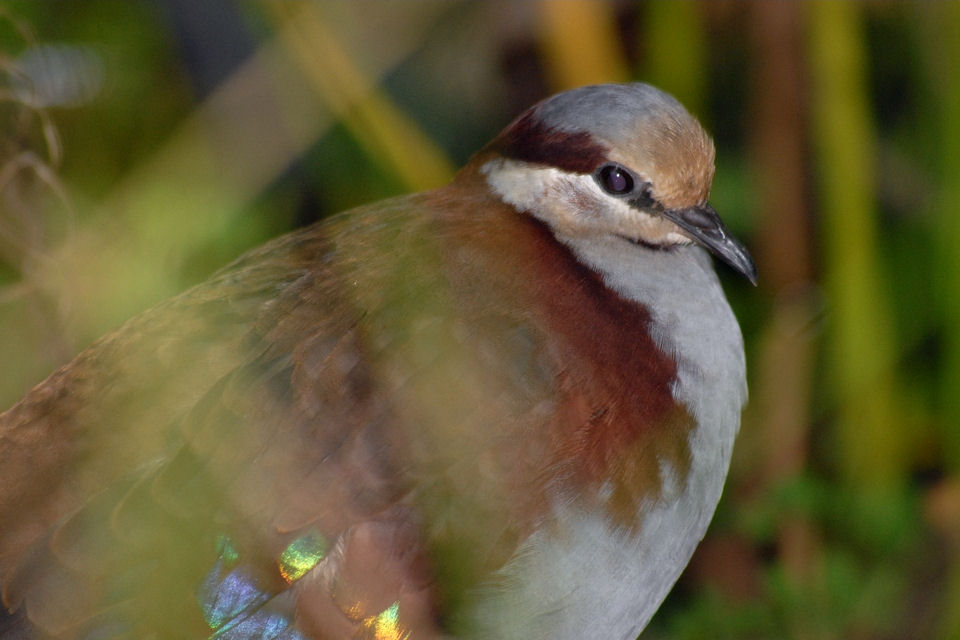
[(580, 43), (386, 133), (870, 445)]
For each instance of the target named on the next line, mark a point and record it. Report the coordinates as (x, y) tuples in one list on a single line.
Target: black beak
[(704, 226)]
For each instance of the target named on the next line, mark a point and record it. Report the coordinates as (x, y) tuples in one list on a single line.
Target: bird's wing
[(299, 438)]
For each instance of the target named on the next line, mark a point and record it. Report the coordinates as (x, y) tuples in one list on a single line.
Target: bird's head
[(623, 161)]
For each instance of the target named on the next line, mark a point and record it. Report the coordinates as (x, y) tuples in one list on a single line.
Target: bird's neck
[(676, 288), (657, 318), (691, 320)]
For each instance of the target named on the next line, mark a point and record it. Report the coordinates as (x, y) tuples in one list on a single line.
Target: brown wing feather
[(308, 387), (409, 387)]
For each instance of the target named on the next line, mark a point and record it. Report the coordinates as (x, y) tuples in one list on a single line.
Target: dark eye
[(615, 179)]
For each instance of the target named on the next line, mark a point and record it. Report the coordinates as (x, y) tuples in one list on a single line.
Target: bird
[(502, 408)]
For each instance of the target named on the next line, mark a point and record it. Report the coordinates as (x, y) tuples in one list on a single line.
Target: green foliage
[(842, 527)]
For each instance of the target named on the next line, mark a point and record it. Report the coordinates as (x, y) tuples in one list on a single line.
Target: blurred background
[(144, 144)]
